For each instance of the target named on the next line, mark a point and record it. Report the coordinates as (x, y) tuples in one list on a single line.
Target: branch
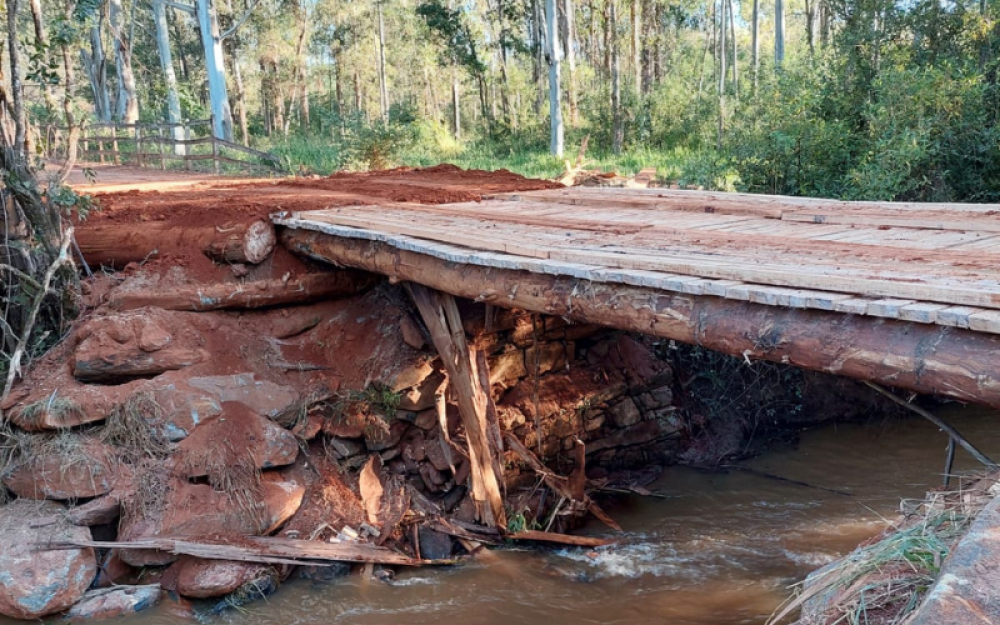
[(232, 30), (22, 342), (950, 431), (187, 8)]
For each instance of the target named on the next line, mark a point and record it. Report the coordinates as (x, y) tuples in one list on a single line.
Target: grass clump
[(129, 428), (884, 581)]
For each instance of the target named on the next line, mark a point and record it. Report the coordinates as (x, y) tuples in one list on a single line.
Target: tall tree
[(555, 88), (215, 68), (383, 86), (779, 33), (127, 103), (755, 41), (162, 34), (618, 118), (570, 43)]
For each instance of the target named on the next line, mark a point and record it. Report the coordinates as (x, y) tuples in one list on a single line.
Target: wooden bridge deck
[(930, 269)]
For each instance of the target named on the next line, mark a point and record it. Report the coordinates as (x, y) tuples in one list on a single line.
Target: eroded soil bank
[(307, 404)]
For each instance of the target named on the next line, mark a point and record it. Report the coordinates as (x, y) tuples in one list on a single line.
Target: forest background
[(856, 99)]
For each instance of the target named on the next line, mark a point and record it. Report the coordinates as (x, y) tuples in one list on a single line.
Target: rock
[(262, 396), (187, 509), (114, 602), (113, 571), (201, 579), (624, 413), (33, 582), (421, 396), (966, 589), (233, 436), (134, 344), (253, 590), (507, 368), (434, 545), (559, 393), (321, 575), (380, 439), (96, 512), (344, 447), (551, 357), (182, 407), (67, 467), (411, 333)]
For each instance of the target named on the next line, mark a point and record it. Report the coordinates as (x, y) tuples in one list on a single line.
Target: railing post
[(138, 145), (215, 146)]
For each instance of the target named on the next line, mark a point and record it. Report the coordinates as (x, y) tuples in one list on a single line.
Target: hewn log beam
[(923, 358)]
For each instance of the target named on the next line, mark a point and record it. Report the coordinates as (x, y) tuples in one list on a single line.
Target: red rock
[(198, 510), (411, 333), (262, 396), (201, 579), (114, 571), (96, 512), (106, 603), (82, 468), (233, 436), (34, 582)]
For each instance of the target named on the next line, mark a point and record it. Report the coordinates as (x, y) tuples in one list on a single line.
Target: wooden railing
[(190, 146)]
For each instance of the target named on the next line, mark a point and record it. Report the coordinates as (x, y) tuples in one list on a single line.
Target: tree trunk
[(127, 103), (382, 82), (162, 33), (618, 122), (16, 88), (118, 245), (456, 106), (95, 64), (302, 289), (722, 73), (555, 89), (38, 19), (215, 67), (732, 38), (636, 62), (241, 101), (755, 43), (779, 33), (570, 11)]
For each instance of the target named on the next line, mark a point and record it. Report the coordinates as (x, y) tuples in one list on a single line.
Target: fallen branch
[(561, 539), (938, 421)]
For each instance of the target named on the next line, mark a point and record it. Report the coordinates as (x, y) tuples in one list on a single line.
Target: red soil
[(242, 201)]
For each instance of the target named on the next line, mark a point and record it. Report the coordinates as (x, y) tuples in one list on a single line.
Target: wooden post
[(138, 145), (160, 140), (114, 145), (440, 313), (215, 148)]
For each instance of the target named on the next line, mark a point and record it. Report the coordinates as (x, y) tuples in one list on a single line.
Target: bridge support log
[(924, 358)]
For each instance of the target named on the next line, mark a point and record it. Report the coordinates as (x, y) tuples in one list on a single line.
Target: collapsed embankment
[(213, 423)]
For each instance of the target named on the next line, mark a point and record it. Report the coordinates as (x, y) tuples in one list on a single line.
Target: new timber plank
[(921, 312)]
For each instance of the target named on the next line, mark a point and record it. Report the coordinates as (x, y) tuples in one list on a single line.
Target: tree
[(173, 103), (779, 33), (553, 55)]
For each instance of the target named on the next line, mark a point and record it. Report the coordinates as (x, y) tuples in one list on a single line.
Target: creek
[(723, 549)]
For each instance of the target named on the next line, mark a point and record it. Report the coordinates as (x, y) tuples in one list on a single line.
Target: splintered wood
[(444, 322)]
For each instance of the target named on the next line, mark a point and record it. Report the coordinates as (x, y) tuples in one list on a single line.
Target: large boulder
[(63, 467), (201, 579), (35, 582), (104, 603)]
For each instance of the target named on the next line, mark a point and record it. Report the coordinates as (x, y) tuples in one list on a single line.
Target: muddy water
[(721, 551)]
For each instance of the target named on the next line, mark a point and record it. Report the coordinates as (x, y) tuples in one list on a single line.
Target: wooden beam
[(440, 313), (923, 358)]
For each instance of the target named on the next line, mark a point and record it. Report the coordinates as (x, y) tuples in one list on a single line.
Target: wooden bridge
[(907, 295)]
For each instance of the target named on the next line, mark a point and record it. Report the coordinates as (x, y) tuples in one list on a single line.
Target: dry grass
[(34, 414), (130, 429), (148, 494), (884, 581)]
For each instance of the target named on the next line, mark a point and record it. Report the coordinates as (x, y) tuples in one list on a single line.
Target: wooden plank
[(956, 316), (852, 306), (985, 321), (981, 225), (921, 312), (887, 307), (775, 275)]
